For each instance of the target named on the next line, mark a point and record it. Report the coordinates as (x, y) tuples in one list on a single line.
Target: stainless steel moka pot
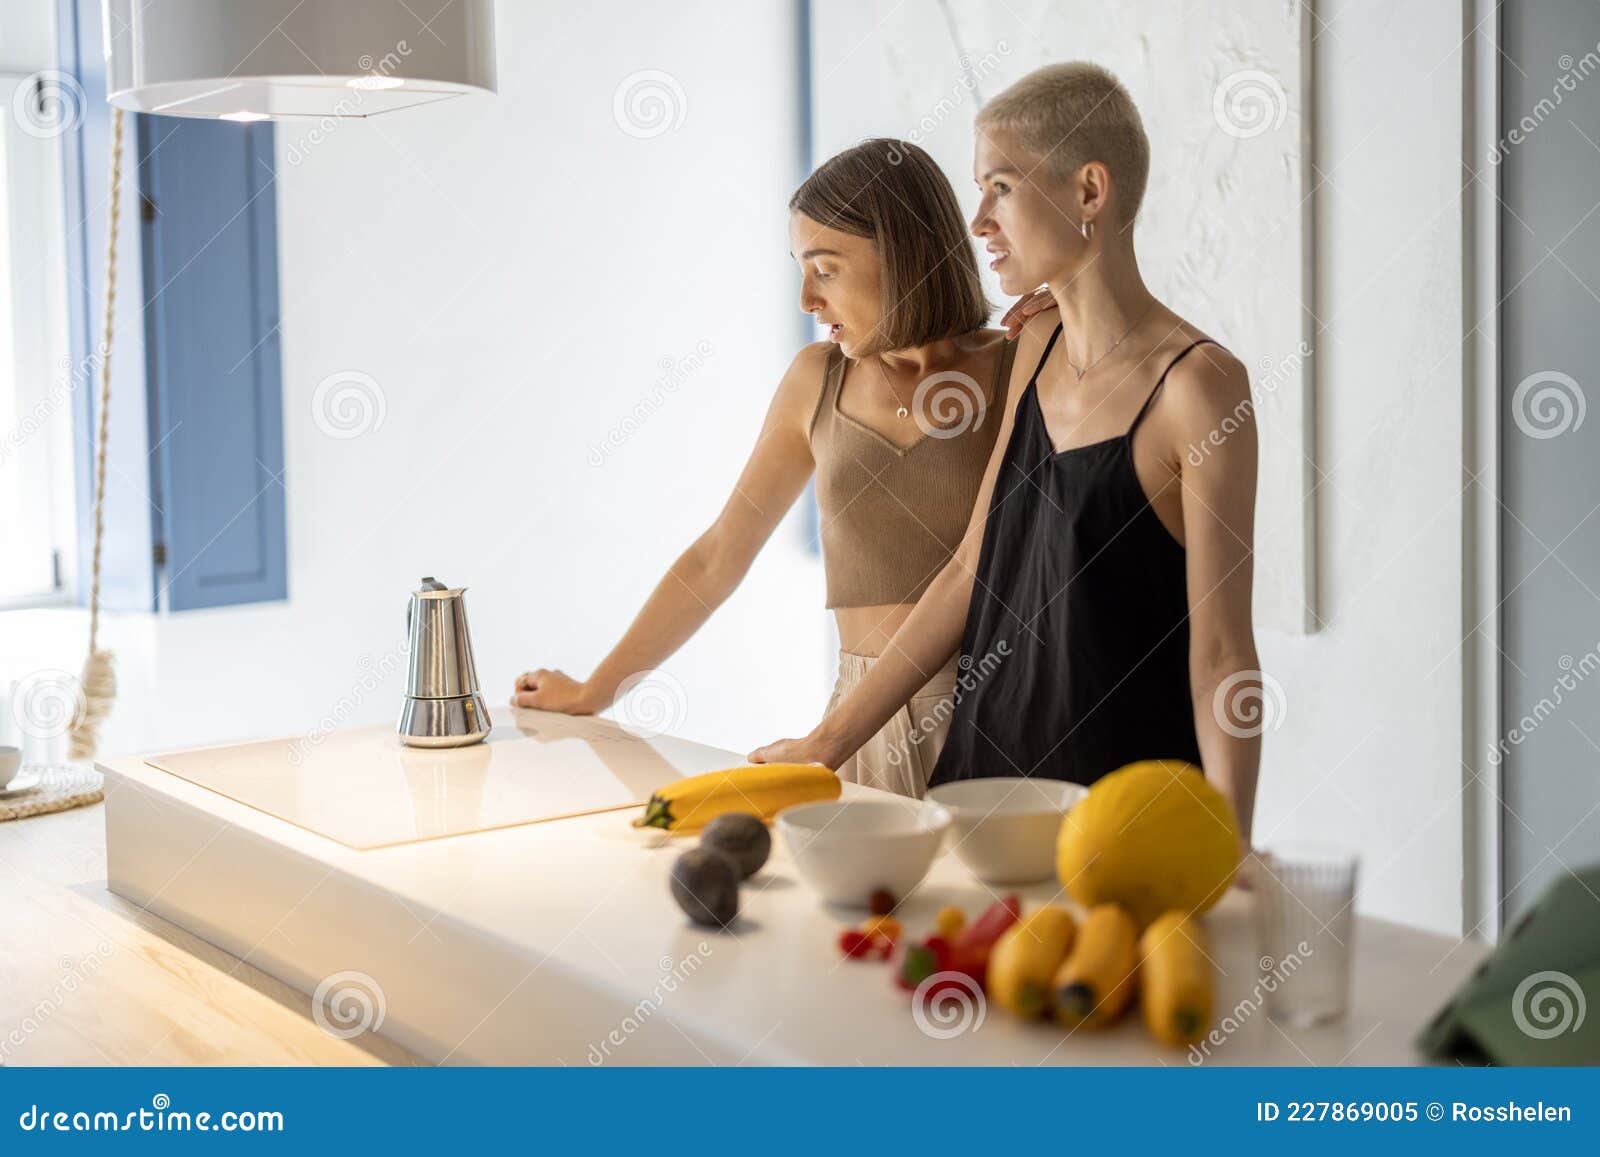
[(442, 707)]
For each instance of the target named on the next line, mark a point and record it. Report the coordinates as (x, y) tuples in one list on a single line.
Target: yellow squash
[(762, 790), (1175, 981), (1151, 836), (1096, 981), (1025, 958)]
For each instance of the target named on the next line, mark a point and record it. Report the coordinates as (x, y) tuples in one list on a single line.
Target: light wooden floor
[(87, 978)]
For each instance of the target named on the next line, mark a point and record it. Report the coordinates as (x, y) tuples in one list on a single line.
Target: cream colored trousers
[(900, 757)]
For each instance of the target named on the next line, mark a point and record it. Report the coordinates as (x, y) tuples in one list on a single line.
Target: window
[(37, 378), (194, 511)]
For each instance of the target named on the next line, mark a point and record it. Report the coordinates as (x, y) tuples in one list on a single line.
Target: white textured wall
[(1370, 751), (1220, 92), (512, 273), (1364, 750)]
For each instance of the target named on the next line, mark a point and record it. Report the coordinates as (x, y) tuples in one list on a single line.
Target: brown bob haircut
[(892, 193)]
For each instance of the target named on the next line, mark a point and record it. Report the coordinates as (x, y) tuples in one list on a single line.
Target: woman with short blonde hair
[(1105, 582)]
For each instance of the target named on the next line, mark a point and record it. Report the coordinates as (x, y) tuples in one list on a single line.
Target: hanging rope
[(99, 682)]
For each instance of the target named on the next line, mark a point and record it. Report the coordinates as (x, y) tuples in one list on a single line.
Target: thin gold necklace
[(1114, 345), (903, 411)]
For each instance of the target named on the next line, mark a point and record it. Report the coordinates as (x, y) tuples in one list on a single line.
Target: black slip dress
[(1075, 655)]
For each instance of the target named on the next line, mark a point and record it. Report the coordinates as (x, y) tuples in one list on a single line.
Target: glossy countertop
[(542, 942), (366, 789)]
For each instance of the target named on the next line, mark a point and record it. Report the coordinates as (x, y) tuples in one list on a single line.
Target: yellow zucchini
[(1175, 979), (1095, 982), (1025, 958), (762, 790)]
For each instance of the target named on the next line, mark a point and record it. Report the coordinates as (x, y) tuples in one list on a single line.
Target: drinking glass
[(1305, 925)]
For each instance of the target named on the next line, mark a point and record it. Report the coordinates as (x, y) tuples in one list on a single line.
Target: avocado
[(742, 837), (705, 883)]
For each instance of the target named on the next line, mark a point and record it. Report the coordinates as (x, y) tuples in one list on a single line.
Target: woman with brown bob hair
[(894, 414)]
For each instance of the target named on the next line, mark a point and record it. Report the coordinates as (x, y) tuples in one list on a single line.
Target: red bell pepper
[(970, 952)]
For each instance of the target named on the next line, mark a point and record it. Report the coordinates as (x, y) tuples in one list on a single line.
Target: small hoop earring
[(1087, 229)]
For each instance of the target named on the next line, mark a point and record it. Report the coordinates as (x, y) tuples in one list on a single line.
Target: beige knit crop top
[(891, 518)]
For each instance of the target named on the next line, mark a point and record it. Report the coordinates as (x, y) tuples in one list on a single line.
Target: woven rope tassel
[(99, 682)]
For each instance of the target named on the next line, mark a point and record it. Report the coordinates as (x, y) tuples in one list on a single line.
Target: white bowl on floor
[(845, 850), (1004, 829)]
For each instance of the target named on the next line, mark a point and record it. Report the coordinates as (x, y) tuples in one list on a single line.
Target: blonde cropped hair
[(1073, 113)]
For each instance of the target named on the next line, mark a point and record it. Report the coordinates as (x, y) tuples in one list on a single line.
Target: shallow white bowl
[(1004, 830), (846, 850)]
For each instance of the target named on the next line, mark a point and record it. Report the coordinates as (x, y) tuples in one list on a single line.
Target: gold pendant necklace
[(1114, 345), (902, 412)]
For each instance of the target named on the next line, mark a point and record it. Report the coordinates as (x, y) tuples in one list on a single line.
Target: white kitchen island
[(558, 943)]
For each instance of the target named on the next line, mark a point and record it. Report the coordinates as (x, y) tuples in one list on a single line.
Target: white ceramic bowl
[(1004, 830), (846, 850)]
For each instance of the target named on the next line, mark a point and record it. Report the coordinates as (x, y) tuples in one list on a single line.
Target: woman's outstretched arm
[(932, 632), (705, 574)]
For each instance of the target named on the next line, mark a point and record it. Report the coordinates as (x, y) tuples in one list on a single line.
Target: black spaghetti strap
[(1044, 357), (1156, 389)]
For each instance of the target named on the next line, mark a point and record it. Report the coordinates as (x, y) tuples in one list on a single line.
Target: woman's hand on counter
[(555, 691), (811, 749)]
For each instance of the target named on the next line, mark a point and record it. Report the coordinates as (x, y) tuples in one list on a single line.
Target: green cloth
[(1529, 1002)]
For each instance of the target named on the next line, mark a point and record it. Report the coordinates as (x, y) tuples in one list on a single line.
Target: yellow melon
[(1153, 836)]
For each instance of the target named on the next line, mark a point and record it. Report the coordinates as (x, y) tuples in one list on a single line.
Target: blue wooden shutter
[(212, 360)]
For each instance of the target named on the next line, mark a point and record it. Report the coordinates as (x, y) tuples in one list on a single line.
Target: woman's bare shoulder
[(813, 354), (801, 387), (1207, 383), (809, 367)]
